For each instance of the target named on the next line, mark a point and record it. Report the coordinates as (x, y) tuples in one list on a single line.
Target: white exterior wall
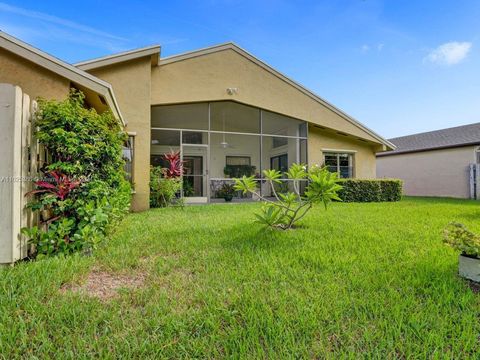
[(442, 172)]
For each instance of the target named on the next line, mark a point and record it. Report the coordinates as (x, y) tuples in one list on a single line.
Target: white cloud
[(450, 53), (365, 48)]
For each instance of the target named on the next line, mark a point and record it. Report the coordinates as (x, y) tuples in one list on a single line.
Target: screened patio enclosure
[(219, 141)]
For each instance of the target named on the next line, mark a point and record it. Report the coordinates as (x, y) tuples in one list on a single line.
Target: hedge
[(370, 190)]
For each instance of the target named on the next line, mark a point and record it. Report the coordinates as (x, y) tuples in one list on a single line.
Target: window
[(128, 152), (279, 163), (238, 160), (341, 163), (238, 166)]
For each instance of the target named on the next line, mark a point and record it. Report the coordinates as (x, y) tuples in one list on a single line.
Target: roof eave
[(152, 51), (433, 148), (63, 69)]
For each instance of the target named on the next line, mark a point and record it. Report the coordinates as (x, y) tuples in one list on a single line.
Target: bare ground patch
[(104, 285)]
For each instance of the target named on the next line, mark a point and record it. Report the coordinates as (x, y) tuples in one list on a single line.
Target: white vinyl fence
[(474, 181), (18, 168)]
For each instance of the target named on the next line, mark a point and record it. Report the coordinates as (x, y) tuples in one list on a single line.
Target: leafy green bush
[(85, 158), (166, 182), (370, 190), (163, 190), (227, 191), (461, 239), (292, 206)]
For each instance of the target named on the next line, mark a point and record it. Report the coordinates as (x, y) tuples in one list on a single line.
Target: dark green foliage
[(86, 147), (370, 190), (227, 191), (237, 171)]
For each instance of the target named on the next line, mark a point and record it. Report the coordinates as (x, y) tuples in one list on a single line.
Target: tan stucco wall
[(431, 173), (137, 86), (131, 84), (33, 79), (206, 78), (363, 153)]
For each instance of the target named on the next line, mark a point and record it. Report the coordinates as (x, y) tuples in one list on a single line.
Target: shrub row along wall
[(370, 190)]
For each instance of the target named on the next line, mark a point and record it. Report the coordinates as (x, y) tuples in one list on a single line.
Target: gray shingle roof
[(438, 139)]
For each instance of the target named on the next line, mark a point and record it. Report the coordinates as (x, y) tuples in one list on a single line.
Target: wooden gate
[(474, 181), (18, 170)]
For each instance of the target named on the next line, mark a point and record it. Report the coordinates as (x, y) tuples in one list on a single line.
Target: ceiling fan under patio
[(224, 144)]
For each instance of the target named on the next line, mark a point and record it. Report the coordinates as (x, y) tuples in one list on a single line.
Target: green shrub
[(163, 190), (370, 190), (85, 154), (461, 239)]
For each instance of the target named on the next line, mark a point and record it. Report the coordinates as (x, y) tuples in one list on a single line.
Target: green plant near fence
[(84, 192), (370, 190)]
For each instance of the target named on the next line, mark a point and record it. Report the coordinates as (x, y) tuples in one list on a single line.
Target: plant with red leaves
[(60, 187), (175, 165)]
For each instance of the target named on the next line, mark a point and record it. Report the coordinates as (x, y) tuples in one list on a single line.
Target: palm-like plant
[(288, 208)]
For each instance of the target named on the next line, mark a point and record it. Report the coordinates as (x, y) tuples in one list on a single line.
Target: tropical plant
[(166, 182), (227, 191), (60, 187), (290, 207), (163, 190), (174, 167), (84, 189), (461, 239)]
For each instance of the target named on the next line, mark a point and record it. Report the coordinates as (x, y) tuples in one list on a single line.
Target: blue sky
[(400, 67)]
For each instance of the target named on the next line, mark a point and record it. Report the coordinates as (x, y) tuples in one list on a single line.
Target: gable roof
[(438, 139), (61, 68), (152, 51), (265, 66)]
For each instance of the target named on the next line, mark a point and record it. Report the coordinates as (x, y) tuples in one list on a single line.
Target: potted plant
[(468, 244), (227, 191)]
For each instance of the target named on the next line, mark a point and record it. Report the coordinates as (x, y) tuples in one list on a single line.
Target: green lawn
[(359, 279)]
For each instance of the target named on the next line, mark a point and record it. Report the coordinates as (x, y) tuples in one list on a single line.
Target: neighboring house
[(435, 163), (224, 109)]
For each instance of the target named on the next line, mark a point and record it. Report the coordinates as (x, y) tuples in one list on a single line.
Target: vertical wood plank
[(34, 156), (24, 175)]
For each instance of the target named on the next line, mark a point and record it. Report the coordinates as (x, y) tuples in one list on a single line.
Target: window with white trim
[(341, 163)]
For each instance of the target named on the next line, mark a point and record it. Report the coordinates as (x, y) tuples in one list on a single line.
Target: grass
[(359, 280)]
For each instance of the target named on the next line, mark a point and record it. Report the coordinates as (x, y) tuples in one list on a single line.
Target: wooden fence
[(474, 181), (21, 156)]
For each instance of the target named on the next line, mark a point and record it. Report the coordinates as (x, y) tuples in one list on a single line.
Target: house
[(225, 110), (434, 163)]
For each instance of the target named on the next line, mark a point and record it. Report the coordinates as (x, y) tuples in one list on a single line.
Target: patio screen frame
[(261, 135)]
